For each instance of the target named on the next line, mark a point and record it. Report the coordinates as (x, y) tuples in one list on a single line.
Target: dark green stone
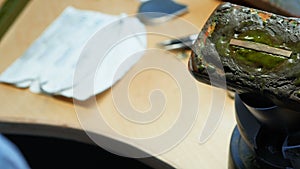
[(247, 70)]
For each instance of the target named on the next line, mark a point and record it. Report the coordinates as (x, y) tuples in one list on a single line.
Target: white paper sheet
[(50, 62)]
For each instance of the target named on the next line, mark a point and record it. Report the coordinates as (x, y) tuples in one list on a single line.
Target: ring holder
[(255, 54)]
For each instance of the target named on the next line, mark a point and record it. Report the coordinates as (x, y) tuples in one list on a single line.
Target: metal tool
[(179, 43)]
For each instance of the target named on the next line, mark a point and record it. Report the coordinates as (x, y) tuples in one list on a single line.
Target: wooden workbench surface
[(21, 110)]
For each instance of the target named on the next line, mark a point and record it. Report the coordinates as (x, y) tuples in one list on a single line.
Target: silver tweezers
[(179, 43)]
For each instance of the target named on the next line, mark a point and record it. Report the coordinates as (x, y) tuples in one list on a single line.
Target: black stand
[(266, 136)]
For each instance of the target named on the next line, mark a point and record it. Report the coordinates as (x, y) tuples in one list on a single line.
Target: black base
[(261, 141), (240, 155)]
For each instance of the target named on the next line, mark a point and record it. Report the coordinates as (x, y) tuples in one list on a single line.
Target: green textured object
[(9, 12), (247, 70)]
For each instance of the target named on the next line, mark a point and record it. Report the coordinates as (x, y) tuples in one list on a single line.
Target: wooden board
[(24, 112)]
